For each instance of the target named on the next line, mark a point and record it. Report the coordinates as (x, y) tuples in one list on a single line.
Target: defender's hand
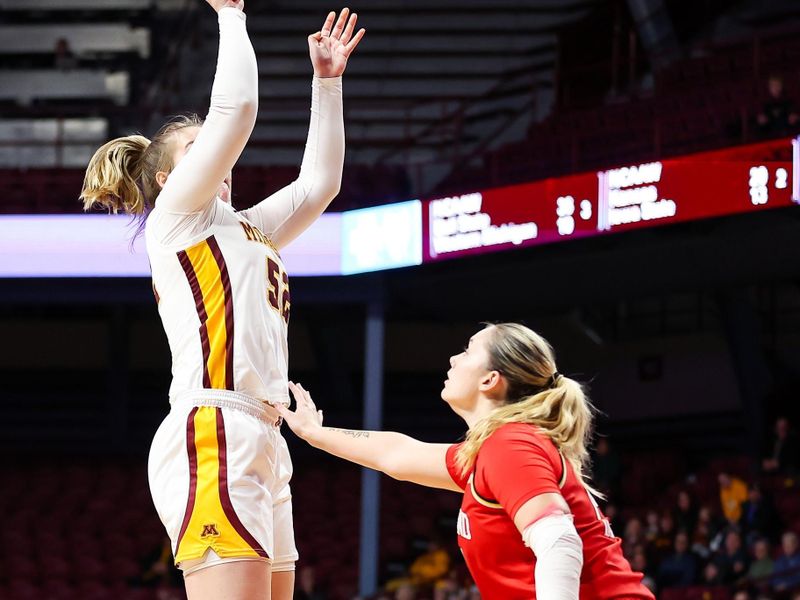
[(305, 419)]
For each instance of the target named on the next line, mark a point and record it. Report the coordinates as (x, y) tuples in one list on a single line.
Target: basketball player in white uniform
[(219, 468)]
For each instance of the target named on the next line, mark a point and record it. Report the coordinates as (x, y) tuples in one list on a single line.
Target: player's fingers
[(308, 398), (354, 42), (328, 24), (295, 392), (326, 27), (348, 31), (300, 395), (340, 22), (315, 37)]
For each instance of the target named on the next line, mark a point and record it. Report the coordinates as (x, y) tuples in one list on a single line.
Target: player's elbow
[(332, 189), (394, 465), (388, 465), (238, 111), (246, 107)]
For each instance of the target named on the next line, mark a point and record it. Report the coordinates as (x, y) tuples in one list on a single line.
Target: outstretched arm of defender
[(399, 456)]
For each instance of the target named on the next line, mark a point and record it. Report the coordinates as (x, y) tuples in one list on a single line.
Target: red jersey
[(513, 465)]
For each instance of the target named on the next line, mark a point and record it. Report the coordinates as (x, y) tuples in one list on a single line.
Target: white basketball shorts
[(219, 473)]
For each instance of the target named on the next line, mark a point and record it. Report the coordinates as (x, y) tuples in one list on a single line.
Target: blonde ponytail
[(537, 395), (112, 177), (122, 175)]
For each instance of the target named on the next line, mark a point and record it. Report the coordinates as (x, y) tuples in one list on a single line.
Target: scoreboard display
[(699, 186)]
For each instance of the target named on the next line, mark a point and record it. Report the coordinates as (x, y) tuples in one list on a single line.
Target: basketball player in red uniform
[(529, 526)]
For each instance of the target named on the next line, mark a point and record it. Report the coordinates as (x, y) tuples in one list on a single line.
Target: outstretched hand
[(217, 5), (305, 418), (332, 46)]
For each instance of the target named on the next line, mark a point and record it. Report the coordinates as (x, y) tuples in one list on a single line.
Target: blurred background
[(687, 334)]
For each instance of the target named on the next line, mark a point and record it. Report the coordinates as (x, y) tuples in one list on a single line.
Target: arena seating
[(698, 103), (88, 530), (701, 103), (68, 69), (83, 39)]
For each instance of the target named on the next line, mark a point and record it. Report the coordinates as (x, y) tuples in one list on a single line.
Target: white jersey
[(224, 300), (222, 290)]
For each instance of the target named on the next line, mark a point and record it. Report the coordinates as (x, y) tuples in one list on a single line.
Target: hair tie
[(553, 381)]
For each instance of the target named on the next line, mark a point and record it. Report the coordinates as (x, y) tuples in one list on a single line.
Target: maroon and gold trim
[(191, 452), (224, 494), (207, 274), (211, 521)]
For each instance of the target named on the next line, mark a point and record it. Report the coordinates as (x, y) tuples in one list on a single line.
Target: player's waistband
[(260, 409)]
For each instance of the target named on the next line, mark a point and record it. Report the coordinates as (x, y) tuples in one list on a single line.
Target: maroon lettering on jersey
[(286, 299), (278, 294)]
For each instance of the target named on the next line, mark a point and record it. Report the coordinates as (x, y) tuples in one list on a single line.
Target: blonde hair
[(537, 394), (121, 177)]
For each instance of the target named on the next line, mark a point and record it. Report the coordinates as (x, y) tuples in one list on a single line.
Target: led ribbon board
[(710, 184)]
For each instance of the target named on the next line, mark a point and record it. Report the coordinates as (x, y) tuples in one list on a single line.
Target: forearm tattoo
[(351, 432)]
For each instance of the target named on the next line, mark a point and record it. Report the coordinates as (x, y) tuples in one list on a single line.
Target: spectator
[(641, 564), (700, 542), (758, 515), (63, 58), (778, 115), (685, 513), (680, 568), (606, 469), (405, 592), (741, 595), (732, 493), (446, 589), (762, 566), (732, 561), (666, 534), (633, 537), (307, 585), (651, 528), (705, 532), (716, 527), (787, 567), (431, 566), (785, 457), (711, 574)]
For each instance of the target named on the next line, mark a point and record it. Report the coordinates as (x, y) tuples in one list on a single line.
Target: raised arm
[(194, 181), (399, 456), (287, 213)]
